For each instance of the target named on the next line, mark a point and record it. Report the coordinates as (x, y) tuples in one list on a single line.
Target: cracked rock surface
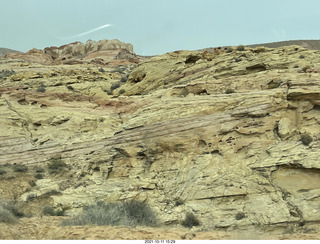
[(221, 135)]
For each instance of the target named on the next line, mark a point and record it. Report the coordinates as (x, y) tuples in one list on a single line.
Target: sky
[(156, 26)]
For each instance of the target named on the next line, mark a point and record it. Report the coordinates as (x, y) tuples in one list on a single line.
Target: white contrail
[(86, 33)]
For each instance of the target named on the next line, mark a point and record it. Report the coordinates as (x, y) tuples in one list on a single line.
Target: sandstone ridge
[(102, 52), (230, 136)]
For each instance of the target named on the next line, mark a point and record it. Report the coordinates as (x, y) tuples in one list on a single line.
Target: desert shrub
[(301, 56), (50, 211), (240, 215), (305, 68), (9, 211), (229, 91), (306, 139), (39, 176), (229, 50), (190, 220), (124, 78), (114, 86), (56, 165), (39, 170), (31, 197), (126, 213), (122, 91), (6, 216), (179, 202), (20, 168), (2, 171), (70, 88), (6, 73), (42, 89), (101, 70), (184, 92), (51, 193), (241, 48)]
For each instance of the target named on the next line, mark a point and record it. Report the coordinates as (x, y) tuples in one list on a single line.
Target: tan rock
[(285, 128), (215, 135)]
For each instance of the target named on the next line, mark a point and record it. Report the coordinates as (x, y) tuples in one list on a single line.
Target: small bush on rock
[(39, 170), (306, 139), (122, 91), (6, 216), (6, 73), (20, 168), (190, 220), (229, 91), (9, 211), (126, 213), (56, 165), (305, 68), (240, 215), (114, 86), (50, 211), (39, 176), (42, 88), (241, 48)]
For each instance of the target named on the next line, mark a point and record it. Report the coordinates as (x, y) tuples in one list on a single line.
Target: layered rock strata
[(215, 134)]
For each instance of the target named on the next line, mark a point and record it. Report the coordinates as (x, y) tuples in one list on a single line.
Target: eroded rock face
[(217, 135), (102, 51)]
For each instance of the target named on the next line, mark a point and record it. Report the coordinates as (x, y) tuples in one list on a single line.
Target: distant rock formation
[(101, 52), (4, 51)]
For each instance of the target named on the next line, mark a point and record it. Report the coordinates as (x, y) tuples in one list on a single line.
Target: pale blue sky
[(157, 26)]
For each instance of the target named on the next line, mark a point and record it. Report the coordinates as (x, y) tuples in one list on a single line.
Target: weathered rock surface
[(102, 52), (215, 134)]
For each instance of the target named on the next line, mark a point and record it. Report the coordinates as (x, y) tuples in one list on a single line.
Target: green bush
[(31, 197), (56, 165), (184, 92), (70, 88), (124, 78), (305, 68), (126, 213), (240, 215), (20, 168), (39, 176), (179, 202), (229, 50), (229, 91), (2, 171), (41, 89), (39, 170), (114, 86), (122, 91), (49, 211), (6, 73), (101, 70), (9, 211), (190, 220), (6, 216), (241, 48), (306, 139)]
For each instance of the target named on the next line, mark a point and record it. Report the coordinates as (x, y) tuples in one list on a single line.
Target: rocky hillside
[(310, 44), (230, 137), (4, 51), (102, 53)]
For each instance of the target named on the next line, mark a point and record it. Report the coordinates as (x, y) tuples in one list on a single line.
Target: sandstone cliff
[(231, 136)]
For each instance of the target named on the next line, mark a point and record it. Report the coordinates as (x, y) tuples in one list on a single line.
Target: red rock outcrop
[(104, 51)]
